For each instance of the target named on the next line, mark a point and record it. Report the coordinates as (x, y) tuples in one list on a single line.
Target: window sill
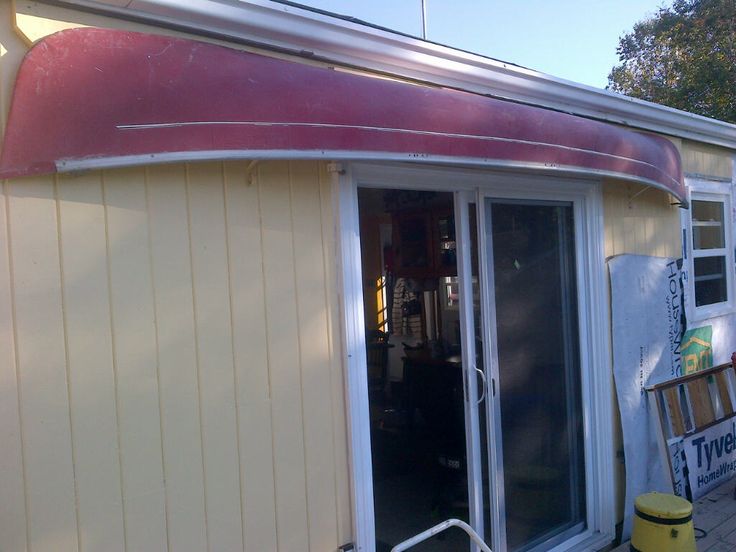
[(701, 314)]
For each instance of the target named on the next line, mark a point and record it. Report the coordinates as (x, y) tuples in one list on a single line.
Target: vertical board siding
[(12, 494), (177, 362), (641, 221), (314, 350), (134, 345), (214, 355), (706, 160), (89, 351), (172, 373), (250, 357), (50, 489), (284, 361)]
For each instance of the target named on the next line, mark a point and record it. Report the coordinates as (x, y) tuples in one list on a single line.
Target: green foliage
[(683, 57)]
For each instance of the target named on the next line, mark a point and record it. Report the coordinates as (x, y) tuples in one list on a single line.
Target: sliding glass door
[(496, 409), (527, 470), (536, 433)]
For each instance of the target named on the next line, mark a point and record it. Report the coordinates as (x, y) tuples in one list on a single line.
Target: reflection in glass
[(539, 371), (708, 232), (710, 280), (414, 367)]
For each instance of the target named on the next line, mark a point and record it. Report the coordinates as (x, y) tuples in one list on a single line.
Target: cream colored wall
[(640, 220), (170, 360), (705, 160), (170, 373)]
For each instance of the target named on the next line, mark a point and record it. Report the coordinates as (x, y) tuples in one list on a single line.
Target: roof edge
[(310, 34)]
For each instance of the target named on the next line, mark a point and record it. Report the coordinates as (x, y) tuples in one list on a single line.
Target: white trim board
[(306, 33), (119, 161), (719, 191), (347, 231)]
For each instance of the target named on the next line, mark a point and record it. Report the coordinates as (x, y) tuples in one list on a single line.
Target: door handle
[(485, 383)]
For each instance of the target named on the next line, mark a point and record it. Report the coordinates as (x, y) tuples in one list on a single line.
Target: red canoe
[(94, 98)]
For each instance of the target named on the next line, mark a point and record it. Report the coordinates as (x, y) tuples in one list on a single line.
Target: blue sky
[(571, 39)]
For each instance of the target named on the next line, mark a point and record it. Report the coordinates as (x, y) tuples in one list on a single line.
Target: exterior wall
[(170, 355), (642, 221), (645, 224), (705, 160), (170, 364), (171, 377)]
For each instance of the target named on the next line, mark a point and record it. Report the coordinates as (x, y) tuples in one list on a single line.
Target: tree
[(684, 57)]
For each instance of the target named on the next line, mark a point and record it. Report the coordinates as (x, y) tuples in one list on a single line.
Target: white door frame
[(585, 199), (596, 380), (473, 401)]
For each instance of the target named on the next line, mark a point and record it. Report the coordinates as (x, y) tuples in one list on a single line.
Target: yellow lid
[(663, 505)]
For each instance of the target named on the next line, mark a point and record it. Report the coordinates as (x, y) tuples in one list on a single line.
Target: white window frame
[(715, 191), (596, 380)]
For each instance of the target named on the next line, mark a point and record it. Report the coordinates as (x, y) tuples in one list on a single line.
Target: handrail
[(432, 531)]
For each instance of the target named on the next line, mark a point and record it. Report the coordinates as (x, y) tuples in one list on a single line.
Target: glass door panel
[(532, 257), (423, 390)]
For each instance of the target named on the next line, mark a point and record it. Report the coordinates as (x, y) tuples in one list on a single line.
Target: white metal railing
[(432, 531)]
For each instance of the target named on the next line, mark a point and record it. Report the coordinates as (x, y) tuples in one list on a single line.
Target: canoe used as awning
[(96, 98)]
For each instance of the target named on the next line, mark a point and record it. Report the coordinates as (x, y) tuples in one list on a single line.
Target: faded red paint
[(81, 93)]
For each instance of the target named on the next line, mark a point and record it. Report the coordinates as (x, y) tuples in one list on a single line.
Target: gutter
[(313, 34)]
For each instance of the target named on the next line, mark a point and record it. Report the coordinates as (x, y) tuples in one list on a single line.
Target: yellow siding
[(13, 510), (176, 357), (90, 361), (640, 220), (43, 374), (170, 363), (705, 160), (171, 373)]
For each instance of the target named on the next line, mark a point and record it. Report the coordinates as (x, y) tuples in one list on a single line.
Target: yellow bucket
[(662, 523)]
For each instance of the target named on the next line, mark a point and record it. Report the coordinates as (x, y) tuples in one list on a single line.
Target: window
[(711, 261)]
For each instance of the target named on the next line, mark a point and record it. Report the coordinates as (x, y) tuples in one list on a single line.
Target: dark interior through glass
[(415, 372), (539, 373), (415, 378)]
